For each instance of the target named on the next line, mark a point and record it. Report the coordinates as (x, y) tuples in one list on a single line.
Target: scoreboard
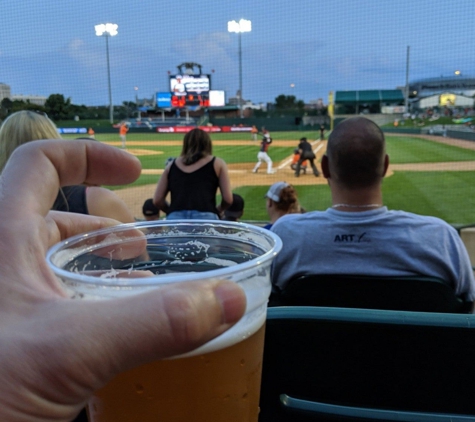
[(190, 91), (193, 100)]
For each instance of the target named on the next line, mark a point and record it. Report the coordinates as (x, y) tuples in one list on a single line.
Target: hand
[(56, 351)]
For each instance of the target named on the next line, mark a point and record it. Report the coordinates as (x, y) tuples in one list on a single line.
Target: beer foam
[(253, 278), (254, 317), (220, 262), (256, 288)]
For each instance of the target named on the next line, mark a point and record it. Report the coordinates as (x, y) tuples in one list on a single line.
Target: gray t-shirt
[(375, 242)]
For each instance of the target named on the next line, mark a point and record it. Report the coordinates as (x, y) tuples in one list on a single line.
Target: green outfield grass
[(155, 136), (416, 150), (448, 195)]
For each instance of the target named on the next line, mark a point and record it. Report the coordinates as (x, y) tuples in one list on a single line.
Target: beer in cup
[(219, 381)]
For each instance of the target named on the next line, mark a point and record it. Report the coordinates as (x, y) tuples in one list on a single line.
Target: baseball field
[(427, 175)]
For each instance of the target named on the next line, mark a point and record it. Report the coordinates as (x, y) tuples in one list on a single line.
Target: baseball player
[(123, 132), (262, 154)]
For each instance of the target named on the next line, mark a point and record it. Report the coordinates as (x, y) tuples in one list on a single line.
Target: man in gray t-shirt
[(358, 234)]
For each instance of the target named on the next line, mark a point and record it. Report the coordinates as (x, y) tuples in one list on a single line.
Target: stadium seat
[(326, 364), (408, 293)]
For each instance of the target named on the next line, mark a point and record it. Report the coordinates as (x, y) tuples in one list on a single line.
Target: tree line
[(59, 108)]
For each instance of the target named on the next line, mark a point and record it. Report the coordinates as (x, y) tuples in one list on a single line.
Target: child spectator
[(150, 211), (236, 210)]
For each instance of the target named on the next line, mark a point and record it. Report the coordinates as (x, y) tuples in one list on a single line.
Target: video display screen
[(217, 99), (164, 99), (181, 85), (190, 100)]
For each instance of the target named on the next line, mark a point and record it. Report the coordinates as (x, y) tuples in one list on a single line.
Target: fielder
[(123, 134), (262, 154)]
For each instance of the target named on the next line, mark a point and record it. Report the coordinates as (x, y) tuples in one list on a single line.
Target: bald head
[(356, 153)]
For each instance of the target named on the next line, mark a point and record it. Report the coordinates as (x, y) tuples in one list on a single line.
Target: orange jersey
[(296, 158), (123, 129)]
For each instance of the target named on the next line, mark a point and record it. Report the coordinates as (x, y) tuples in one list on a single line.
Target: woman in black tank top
[(193, 180)]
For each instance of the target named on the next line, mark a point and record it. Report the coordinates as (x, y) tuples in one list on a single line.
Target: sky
[(50, 47)]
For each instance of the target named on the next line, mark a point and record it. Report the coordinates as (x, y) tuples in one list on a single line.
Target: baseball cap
[(274, 191), (149, 209), (236, 208)]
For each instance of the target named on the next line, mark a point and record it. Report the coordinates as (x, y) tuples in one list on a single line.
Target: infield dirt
[(241, 173)]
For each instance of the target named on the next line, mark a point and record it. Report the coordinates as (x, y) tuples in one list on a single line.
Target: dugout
[(367, 101)]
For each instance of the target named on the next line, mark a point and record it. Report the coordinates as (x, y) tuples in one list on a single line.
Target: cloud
[(205, 47)]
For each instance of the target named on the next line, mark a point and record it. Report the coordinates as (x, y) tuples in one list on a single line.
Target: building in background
[(459, 85), (454, 91), (369, 101), (32, 99), (5, 91)]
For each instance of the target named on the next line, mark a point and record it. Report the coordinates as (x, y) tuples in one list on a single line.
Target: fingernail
[(232, 299)]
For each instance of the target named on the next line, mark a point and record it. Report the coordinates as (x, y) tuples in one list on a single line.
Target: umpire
[(306, 153)]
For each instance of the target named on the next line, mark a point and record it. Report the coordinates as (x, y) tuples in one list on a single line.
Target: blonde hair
[(22, 127)]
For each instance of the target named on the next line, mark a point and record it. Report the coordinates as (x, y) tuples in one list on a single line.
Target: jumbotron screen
[(181, 85), (190, 100)]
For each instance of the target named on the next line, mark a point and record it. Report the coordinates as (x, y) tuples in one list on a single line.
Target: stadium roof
[(369, 96)]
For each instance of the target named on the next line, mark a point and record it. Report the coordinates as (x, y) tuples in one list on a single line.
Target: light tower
[(108, 30), (239, 27)]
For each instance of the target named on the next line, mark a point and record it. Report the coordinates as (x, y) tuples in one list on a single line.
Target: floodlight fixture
[(242, 26), (106, 29)]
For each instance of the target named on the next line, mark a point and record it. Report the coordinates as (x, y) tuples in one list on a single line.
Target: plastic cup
[(219, 381)]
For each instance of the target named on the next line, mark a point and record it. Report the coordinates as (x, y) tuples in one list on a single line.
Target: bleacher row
[(158, 122)]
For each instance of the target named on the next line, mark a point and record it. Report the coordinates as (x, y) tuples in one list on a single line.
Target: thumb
[(119, 334)]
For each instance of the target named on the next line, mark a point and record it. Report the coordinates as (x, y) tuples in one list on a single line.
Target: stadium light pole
[(239, 27), (406, 90), (139, 114), (108, 30)]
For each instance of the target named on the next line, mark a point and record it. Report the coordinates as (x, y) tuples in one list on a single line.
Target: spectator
[(236, 210), (358, 234), (281, 199), (56, 351), (150, 211), (26, 126), (192, 180)]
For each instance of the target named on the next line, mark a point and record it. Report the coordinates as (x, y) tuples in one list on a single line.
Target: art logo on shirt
[(351, 238)]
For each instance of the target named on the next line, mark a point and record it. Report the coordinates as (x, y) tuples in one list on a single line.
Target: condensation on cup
[(219, 381)]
